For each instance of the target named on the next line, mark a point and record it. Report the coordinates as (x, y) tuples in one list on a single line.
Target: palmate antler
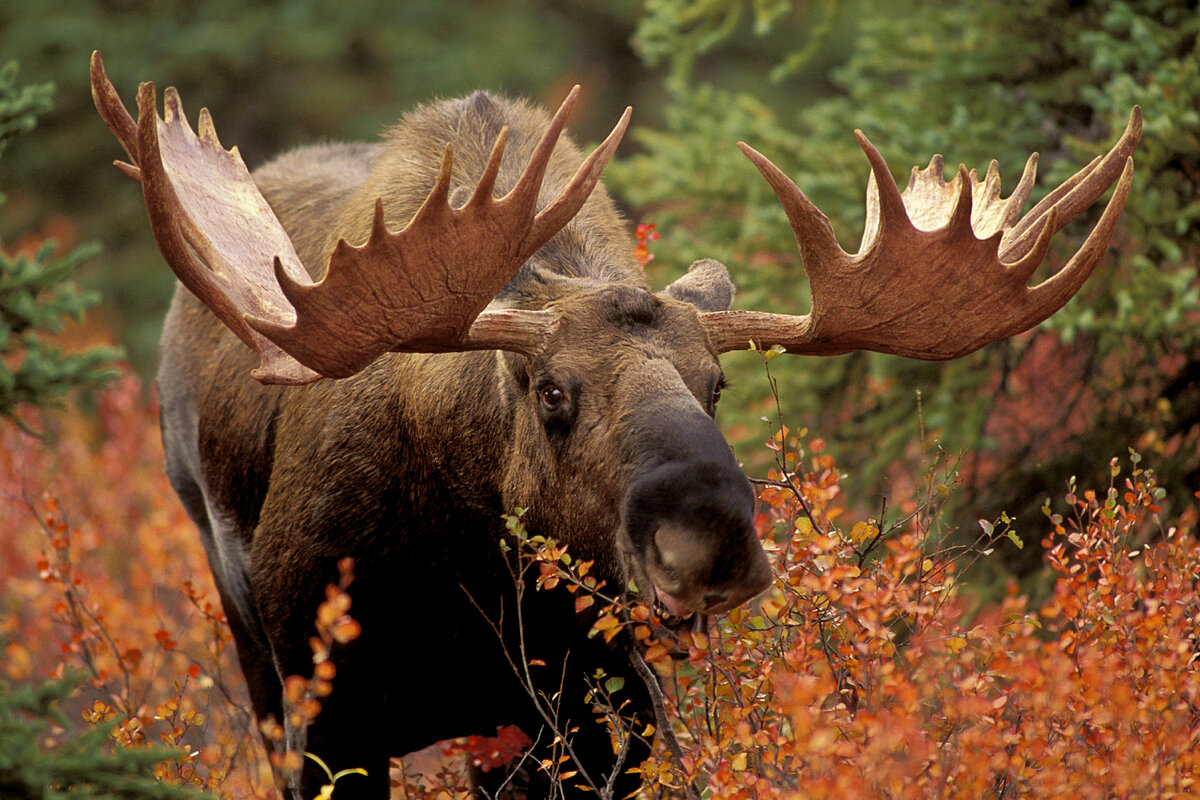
[(942, 268), (422, 289)]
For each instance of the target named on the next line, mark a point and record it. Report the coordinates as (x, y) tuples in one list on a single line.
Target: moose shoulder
[(495, 345)]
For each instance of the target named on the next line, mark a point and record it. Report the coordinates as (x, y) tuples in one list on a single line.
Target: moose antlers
[(422, 289), (942, 268)]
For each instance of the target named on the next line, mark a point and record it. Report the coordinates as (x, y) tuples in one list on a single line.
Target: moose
[(488, 342)]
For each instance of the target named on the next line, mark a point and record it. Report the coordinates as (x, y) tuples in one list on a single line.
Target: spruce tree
[(36, 297)]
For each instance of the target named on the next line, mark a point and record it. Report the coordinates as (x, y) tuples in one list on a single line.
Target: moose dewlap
[(473, 291)]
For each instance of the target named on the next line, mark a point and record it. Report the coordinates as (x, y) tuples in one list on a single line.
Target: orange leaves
[(302, 696), (657, 653), (98, 713), (856, 676), (644, 233), (607, 626), (287, 761), (104, 574)]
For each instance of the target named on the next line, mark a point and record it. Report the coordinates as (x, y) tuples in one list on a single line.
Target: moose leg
[(228, 570), (344, 738), (348, 733)]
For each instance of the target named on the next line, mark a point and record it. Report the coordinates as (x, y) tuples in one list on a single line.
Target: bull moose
[(471, 290)]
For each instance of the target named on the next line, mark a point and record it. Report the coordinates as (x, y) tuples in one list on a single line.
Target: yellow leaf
[(862, 531)]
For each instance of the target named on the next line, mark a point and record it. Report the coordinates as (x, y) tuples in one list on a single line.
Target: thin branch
[(526, 681), (661, 721)]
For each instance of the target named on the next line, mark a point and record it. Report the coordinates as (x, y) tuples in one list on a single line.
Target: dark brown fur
[(409, 465)]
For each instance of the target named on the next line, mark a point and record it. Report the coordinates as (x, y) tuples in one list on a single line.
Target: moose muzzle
[(688, 521)]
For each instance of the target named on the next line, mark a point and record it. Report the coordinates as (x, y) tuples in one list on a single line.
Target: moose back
[(491, 344)]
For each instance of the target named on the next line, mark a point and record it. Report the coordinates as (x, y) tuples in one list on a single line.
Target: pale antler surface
[(421, 289), (942, 269), (190, 202)]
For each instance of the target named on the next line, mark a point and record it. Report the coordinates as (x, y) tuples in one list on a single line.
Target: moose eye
[(555, 407), (716, 394), (552, 396)]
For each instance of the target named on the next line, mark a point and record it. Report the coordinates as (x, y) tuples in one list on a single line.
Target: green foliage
[(19, 107), (681, 31), (38, 764), (34, 296), (974, 81)]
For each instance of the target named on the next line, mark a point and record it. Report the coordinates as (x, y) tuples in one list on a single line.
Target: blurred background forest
[(973, 80)]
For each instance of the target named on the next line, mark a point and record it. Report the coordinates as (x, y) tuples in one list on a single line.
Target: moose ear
[(706, 286)]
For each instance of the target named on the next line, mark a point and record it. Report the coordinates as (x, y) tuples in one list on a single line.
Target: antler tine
[(1078, 192), (943, 266), (564, 207), (113, 112), (487, 181), (885, 205), (1055, 291), (814, 235), (525, 193)]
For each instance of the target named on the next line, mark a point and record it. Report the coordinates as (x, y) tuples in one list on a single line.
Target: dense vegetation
[(1118, 367), (1068, 457)]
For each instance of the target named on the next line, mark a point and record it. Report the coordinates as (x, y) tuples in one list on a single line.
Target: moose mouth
[(677, 619)]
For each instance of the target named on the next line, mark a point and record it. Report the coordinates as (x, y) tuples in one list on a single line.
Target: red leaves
[(489, 752)]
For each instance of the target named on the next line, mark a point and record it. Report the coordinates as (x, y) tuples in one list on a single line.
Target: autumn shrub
[(104, 575), (871, 669), (862, 674)]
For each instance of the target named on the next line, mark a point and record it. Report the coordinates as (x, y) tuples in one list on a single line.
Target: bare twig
[(526, 681)]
